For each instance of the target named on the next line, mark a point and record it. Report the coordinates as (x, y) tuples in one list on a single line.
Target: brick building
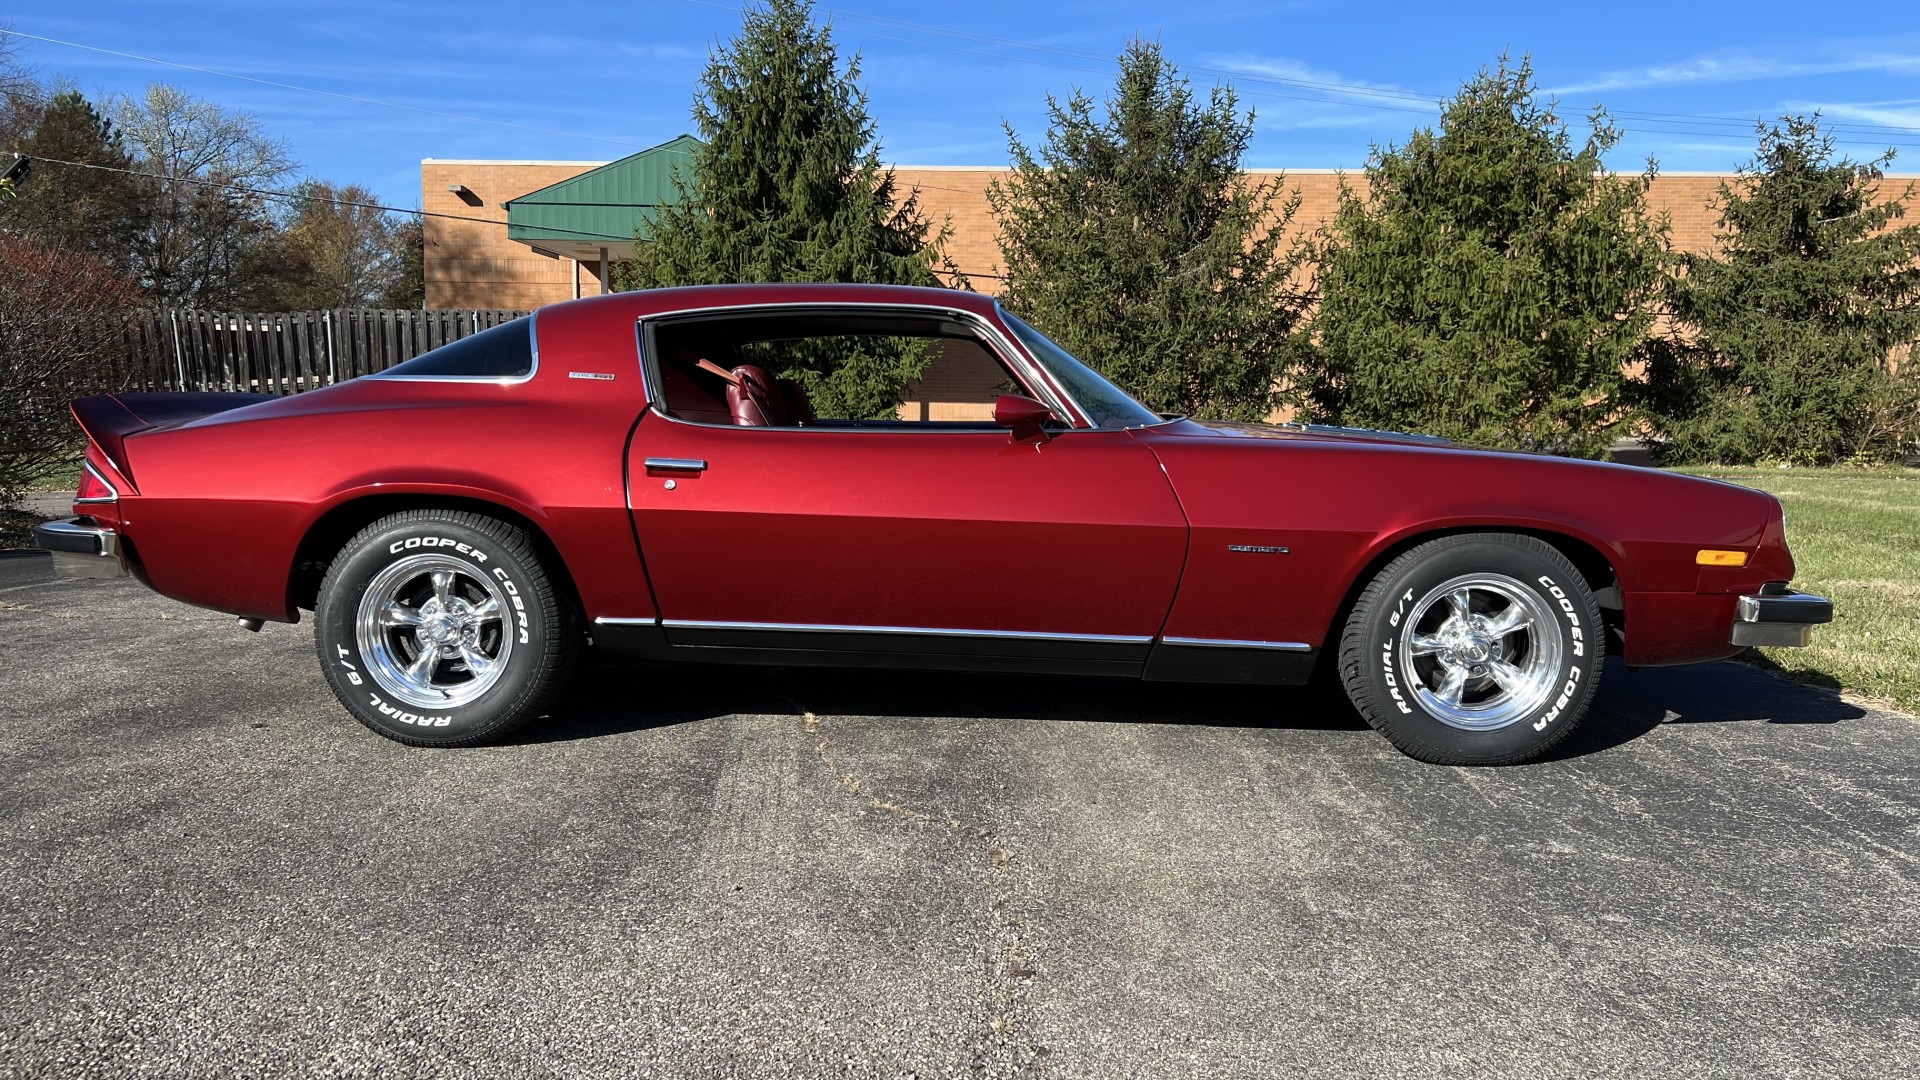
[(564, 219)]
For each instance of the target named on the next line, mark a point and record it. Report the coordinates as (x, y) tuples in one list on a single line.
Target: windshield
[(1105, 404)]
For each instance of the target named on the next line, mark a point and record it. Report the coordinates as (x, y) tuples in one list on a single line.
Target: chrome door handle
[(676, 464)]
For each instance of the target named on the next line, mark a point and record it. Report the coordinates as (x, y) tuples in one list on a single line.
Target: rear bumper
[(81, 549), (1780, 617)]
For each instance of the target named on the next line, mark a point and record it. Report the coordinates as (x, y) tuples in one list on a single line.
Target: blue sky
[(594, 81)]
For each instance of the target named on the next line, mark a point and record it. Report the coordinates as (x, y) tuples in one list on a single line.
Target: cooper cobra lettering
[(1566, 608), (519, 605), (437, 542), (1560, 703)]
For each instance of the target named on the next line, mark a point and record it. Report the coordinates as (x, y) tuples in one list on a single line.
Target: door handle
[(676, 464)]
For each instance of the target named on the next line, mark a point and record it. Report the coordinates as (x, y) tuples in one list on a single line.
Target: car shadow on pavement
[(610, 697), (613, 697), (1633, 703)]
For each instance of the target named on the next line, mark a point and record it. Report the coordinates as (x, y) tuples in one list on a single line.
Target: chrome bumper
[(1780, 617), (81, 549)]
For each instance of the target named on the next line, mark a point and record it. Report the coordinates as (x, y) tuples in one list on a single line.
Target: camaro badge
[(600, 375), (1256, 549)]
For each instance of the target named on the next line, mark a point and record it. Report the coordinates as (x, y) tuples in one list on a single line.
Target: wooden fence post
[(179, 364), (331, 377)]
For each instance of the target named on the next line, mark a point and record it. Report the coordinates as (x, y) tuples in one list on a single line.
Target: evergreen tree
[(60, 200), (1786, 335), (1491, 282), (788, 186), (1134, 240)]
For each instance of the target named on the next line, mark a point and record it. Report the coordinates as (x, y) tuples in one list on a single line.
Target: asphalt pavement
[(208, 869)]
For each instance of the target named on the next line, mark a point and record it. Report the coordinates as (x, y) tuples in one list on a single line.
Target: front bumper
[(81, 548), (1779, 617)]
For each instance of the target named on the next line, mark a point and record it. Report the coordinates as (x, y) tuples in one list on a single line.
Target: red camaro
[(632, 472)]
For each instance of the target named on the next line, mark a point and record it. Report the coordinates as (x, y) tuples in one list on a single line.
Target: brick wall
[(474, 265), (962, 382)]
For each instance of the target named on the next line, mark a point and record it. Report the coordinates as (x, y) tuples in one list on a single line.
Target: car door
[(908, 536)]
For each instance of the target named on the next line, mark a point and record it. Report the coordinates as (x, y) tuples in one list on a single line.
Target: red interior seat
[(755, 399)]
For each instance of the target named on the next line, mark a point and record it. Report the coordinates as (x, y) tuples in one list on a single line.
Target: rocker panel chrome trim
[(1226, 643), (918, 631)]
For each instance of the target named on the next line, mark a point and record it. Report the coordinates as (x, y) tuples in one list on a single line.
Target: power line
[(322, 93), (1352, 89), (297, 196), (1670, 121), (1087, 70), (1356, 89)]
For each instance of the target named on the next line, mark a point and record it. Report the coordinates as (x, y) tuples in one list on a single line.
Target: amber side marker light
[(1716, 557)]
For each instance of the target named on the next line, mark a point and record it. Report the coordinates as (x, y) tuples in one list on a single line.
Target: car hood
[(1320, 431), (1330, 436)]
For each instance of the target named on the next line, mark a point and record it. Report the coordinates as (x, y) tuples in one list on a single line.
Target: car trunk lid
[(107, 419)]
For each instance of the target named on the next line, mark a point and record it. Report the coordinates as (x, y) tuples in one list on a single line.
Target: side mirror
[(1023, 416)]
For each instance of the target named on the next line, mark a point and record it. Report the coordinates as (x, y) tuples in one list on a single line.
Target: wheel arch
[(1598, 570), (330, 532)]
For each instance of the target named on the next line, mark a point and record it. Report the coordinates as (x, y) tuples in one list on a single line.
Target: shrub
[(1491, 282), (1787, 337), (1135, 241), (62, 325)]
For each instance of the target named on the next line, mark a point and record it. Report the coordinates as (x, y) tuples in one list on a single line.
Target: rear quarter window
[(502, 352)]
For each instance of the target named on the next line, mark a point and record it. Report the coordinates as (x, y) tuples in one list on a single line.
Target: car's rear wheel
[(444, 628), (1476, 649)]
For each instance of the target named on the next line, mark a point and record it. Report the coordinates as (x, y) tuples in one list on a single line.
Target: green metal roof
[(602, 207)]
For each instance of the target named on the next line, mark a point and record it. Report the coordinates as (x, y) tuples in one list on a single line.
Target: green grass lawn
[(1855, 535)]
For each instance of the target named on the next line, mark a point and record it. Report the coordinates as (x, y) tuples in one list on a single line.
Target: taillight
[(94, 487)]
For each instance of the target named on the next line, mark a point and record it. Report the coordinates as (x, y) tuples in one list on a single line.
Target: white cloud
[(1291, 94), (561, 46), (1307, 77), (1741, 65), (1904, 114)]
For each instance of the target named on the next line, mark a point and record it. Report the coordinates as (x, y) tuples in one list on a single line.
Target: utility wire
[(297, 196), (1356, 90), (1671, 122), (323, 93), (1353, 89)]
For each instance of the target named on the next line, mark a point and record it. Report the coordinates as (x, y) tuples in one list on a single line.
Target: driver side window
[(826, 368)]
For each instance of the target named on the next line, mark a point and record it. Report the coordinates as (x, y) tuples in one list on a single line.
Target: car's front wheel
[(1477, 649), (444, 628)]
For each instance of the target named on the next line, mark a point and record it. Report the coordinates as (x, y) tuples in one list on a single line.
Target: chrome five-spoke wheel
[(1482, 651), (431, 631)]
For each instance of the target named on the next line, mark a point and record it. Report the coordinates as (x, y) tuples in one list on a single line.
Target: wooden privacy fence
[(285, 352)]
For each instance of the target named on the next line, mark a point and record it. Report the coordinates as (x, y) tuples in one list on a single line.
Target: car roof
[(647, 302)]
